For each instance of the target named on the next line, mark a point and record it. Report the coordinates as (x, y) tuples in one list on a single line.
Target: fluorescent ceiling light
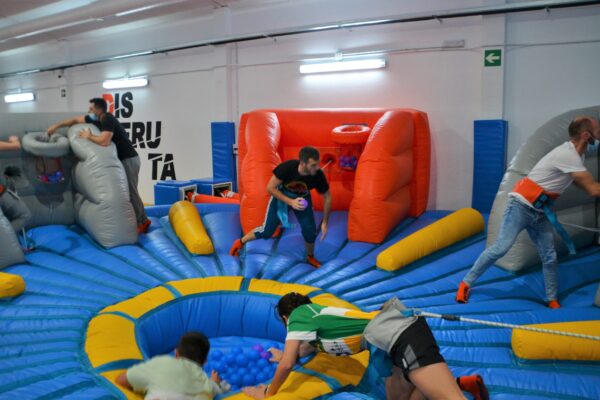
[(318, 28), (125, 83), (141, 53), (31, 71), (55, 28), (341, 66), (362, 23), (19, 97), (137, 10), (148, 7)]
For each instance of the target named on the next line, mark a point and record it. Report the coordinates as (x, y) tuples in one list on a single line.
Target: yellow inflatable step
[(544, 346), (188, 227), (11, 285), (447, 231)]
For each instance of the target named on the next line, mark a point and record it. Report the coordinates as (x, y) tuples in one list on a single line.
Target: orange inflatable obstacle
[(377, 162)]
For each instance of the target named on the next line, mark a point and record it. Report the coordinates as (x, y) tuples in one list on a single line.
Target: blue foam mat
[(70, 279)]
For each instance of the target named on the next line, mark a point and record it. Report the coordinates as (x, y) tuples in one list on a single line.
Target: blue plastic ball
[(230, 359), (262, 363), (219, 366), (261, 377), (216, 355), (241, 360), (235, 379), (248, 380)]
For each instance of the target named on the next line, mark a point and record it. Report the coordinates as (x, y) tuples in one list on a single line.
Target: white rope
[(450, 317), (585, 228)]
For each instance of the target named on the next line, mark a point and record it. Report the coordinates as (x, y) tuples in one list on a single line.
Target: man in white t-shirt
[(525, 206)]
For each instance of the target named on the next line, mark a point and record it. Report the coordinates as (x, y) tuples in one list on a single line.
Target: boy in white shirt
[(176, 378), (548, 179)]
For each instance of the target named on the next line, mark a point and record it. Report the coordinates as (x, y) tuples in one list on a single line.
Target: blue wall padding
[(168, 192), (248, 314), (489, 161), (223, 139)]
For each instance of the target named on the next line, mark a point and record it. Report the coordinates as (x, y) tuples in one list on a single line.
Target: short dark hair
[(194, 346), (308, 152), (580, 125), (100, 103), (290, 302)]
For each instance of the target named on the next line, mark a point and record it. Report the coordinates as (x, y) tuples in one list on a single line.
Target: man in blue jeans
[(290, 186), (525, 207)]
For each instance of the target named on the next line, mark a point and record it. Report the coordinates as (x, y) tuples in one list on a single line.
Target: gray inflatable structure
[(575, 206), (93, 193)]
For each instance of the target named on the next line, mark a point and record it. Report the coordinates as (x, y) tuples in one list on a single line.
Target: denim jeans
[(306, 218), (517, 217)]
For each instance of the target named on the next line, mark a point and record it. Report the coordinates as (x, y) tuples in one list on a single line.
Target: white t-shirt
[(170, 378), (553, 171)]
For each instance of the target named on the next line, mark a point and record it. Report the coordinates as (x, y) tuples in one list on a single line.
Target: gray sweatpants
[(132, 170), (14, 210)]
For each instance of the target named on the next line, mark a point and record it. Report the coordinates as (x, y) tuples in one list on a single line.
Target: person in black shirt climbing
[(112, 131)]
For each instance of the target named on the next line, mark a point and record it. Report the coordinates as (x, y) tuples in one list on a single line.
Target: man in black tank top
[(111, 130)]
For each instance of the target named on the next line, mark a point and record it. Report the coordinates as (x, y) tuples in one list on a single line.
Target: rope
[(585, 228), (450, 317)]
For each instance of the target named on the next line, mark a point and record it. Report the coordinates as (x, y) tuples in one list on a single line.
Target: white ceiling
[(51, 34), (25, 25)]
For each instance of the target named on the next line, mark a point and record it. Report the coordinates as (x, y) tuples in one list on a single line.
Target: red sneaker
[(474, 385), (554, 304), (236, 248), (462, 295), (143, 227), (313, 261)]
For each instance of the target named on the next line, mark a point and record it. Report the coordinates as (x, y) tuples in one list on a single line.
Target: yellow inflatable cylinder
[(544, 346), (447, 231), (188, 227), (11, 285)]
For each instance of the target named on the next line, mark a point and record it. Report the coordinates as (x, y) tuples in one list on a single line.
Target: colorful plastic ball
[(235, 379), (258, 348), (248, 380), (303, 202), (219, 366), (265, 355), (230, 359), (262, 363), (215, 355), (261, 377), (241, 360)]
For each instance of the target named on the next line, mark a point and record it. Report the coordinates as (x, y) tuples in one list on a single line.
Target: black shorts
[(415, 348)]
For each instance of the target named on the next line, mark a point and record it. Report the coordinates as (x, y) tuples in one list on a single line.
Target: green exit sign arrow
[(492, 58)]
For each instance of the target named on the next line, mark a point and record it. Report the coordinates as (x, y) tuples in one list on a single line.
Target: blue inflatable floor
[(70, 278)]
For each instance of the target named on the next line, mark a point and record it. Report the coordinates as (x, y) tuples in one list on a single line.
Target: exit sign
[(492, 58)]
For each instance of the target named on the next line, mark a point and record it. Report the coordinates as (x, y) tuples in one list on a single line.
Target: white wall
[(546, 80), (452, 86)]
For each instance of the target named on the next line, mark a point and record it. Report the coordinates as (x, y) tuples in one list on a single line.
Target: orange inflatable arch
[(389, 183)]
